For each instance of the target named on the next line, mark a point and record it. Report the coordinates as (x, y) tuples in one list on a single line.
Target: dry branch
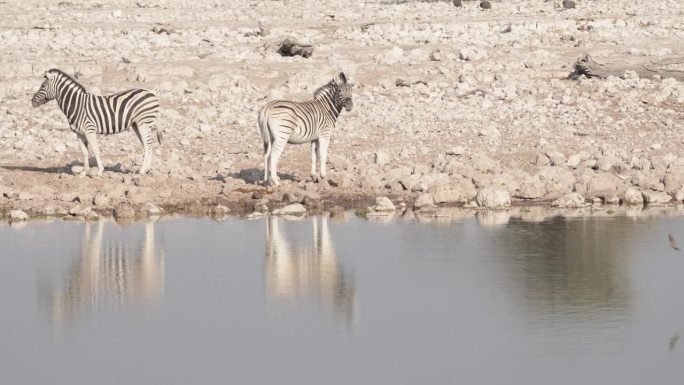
[(645, 67)]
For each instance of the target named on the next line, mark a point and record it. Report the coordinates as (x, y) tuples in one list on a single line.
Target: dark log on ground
[(290, 47), (645, 67)]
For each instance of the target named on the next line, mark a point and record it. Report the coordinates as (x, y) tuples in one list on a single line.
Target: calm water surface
[(343, 301)]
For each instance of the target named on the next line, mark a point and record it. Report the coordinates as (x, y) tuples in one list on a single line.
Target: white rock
[(220, 210), (381, 158), (293, 209), (458, 150), (424, 200), (100, 200), (151, 209), (453, 193), (493, 197), (124, 211), (656, 197), (605, 163), (18, 215), (569, 200), (472, 53), (633, 196), (383, 204)]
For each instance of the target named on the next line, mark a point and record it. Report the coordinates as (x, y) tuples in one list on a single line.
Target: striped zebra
[(313, 121), (90, 114)]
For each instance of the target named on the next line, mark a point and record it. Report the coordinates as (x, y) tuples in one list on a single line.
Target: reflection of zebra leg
[(148, 249), (325, 249), (152, 264), (91, 256), (282, 269)]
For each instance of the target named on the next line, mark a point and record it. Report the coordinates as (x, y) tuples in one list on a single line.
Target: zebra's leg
[(84, 149), (315, 154), (95, 147), (277, 149), (267, 154), (144, 132), (323, 154)]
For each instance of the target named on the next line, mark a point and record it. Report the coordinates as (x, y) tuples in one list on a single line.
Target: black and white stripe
[(90, 114), (312, 122)]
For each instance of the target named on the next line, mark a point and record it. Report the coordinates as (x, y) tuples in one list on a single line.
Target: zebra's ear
[(343, 77), (49, 75)]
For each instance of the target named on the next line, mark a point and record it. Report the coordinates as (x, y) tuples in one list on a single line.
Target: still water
[(343, 300)]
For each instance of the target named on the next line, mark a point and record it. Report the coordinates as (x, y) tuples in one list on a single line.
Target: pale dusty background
[(487, 101)]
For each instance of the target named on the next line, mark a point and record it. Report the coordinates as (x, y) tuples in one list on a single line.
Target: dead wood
[(645, 67)]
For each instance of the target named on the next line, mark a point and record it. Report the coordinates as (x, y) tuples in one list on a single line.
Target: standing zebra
[(313, 121), (90, 114)]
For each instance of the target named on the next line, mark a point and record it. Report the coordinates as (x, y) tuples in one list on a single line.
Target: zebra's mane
[(328, 89), (69, 78)]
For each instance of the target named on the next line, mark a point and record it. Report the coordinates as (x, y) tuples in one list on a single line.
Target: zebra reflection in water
[(300, 271), (109, 273)]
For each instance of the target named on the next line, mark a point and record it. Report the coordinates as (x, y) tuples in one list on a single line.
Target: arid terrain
[(449, 101)]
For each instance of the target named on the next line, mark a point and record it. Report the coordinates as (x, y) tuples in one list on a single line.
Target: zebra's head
[(344, 94), (47, 90)]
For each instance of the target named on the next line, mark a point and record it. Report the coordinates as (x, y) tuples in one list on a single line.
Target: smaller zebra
[(312, 122), (90, 114)]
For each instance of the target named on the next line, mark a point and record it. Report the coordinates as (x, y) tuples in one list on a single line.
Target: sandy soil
[(448, 102)]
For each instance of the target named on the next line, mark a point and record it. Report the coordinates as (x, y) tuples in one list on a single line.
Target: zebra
[(90, 114), (313, 121)]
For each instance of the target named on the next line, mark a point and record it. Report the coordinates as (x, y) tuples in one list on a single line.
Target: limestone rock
[(453, 193), (656, 197), (493, 197), (603, 182), (151, 209), (124, 211), (674, 180), (571, 200), (558, 180), (101, 200), (383, 204), (381, 157), (219, 210), (293, 209), (472, 53), (633, 196), (423, 201), (531, 188), (18, 215)]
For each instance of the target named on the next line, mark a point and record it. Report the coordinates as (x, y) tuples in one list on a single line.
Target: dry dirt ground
[(448, 101)]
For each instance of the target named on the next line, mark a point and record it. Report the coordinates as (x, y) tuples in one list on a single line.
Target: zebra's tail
[(263, 127), (160, 135)]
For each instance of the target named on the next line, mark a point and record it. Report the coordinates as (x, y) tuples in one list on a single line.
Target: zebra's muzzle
[(37, 101), (348, 105)]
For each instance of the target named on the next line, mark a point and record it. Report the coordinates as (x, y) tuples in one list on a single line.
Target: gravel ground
[(453, 105)]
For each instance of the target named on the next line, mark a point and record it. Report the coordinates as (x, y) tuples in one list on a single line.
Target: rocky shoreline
[(454, 106)]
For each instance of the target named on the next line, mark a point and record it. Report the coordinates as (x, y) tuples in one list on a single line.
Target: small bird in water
[(673, 341), (673, 244)]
